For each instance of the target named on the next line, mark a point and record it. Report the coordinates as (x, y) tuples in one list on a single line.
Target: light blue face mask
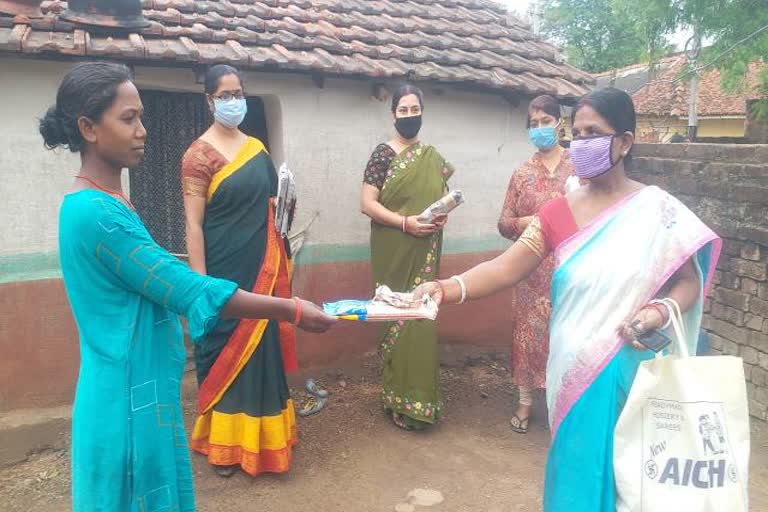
[(544, 137), (231, 112)]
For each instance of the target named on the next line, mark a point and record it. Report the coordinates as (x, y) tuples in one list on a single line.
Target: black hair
[(546, 104), (405, 90), (88, 89), (214, 74), (613, 105)]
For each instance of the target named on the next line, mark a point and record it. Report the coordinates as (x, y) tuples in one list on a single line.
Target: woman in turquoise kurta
[(129, 448)]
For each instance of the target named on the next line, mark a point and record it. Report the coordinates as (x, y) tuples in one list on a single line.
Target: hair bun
[(53, 129)]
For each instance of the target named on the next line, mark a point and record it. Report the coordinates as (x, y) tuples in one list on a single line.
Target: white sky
[(521, 6)]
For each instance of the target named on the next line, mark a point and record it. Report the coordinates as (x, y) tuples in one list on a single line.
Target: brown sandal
[(522, 424)]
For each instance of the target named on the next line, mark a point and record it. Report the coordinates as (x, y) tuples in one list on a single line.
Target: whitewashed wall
[(326, 135)]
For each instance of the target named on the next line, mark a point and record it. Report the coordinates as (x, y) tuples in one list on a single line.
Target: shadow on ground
[(352, 459)]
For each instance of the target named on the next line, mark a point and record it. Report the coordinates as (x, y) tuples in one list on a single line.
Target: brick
[(748, 286), (748, 369), (761, 395), (762, 291), (749, 193), (730, 348), (758, 410), (730, 280), (754, 214), (724, 263), (735, 299), (759, 340), (758, 307), (751, 269), (730, 247), (762, 360), (759, 376), (749, 355), (753, 322), (716, 342), (733, 316), (728, 331), (750, 251), (708, 305), (757, 235), (751, 391)]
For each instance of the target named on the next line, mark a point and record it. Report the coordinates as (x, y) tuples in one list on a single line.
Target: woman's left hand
[(648, 319)]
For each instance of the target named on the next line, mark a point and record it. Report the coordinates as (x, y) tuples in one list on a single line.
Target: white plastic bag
[(682, 441)]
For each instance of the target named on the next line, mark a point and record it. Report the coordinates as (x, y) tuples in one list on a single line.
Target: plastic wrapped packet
[(386, 306), (286, 200), (442, 207)]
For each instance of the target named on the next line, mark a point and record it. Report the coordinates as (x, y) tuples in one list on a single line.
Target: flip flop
[(314, 388), (312, 405), (522, 424)]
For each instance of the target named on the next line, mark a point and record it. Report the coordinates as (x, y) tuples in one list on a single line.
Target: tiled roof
[(471, 42), (662, 98)]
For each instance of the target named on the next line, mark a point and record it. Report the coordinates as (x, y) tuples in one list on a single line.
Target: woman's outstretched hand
[(313, 319), (432, 289)]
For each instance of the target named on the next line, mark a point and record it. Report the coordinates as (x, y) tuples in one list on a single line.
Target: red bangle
[(297, 318)]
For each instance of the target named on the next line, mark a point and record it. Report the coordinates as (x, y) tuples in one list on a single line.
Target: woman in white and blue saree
[(619, 246)]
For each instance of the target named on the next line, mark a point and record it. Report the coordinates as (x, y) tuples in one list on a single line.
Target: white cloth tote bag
[(682, 440)]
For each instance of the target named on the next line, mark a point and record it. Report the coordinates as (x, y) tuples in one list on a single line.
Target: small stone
[(425, 497), (483, 394), (404, 507), (343, 383)]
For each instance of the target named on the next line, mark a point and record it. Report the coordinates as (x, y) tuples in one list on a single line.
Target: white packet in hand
[(443, 206)]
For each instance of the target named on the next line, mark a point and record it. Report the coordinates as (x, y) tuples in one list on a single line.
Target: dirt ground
[(351, 459)]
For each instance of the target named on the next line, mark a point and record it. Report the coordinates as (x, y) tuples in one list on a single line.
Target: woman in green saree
[(129, 446), (403, 177)]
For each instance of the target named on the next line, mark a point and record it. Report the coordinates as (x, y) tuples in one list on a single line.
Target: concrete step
[(27, 431)]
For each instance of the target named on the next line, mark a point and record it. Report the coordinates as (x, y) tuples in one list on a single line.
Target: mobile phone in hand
[(654, 340)]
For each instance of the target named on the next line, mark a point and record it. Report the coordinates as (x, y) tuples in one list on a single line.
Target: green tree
[(599, 35), (596, 35)]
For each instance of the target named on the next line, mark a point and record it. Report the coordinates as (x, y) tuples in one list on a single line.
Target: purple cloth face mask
[(591, 156)]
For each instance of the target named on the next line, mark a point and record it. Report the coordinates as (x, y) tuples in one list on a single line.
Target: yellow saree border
[(251, 148), (257, 444)]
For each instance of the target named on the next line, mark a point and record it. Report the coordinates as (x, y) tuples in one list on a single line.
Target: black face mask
[(408, 127)]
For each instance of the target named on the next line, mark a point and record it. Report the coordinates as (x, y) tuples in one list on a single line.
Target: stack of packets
[(386, 306), (442, 207)]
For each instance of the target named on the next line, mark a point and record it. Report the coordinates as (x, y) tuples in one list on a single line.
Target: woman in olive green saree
[(403, 177)]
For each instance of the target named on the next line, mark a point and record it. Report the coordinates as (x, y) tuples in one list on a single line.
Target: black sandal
[(398, 420), (225, 471), (522, 424)]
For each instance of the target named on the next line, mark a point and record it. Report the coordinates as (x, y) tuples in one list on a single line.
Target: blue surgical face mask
[(544, 137), (231, 112)]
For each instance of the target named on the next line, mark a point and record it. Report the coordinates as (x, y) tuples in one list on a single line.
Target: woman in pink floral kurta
[(537, 181)]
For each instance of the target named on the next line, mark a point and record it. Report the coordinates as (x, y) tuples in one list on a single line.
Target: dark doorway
[(173, 121)]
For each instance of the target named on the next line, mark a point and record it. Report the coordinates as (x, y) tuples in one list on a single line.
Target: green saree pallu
[(417, 177)]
